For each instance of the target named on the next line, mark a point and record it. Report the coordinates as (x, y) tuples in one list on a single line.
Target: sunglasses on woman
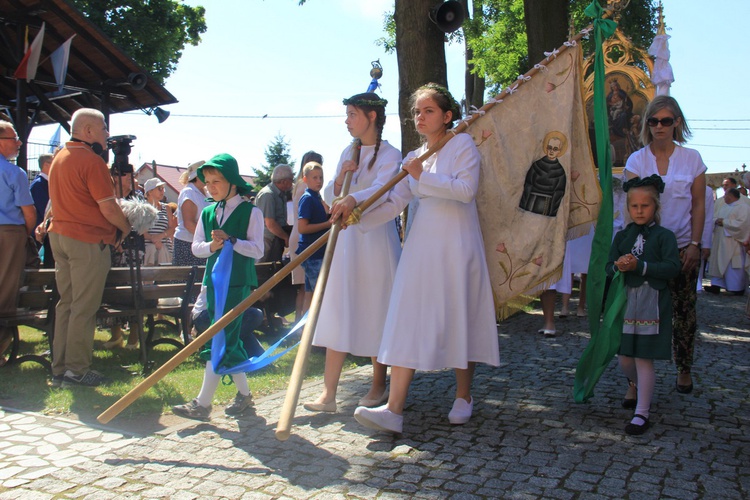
[(665, 122)]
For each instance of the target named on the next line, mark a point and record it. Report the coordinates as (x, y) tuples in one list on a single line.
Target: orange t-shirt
[(78, 181)]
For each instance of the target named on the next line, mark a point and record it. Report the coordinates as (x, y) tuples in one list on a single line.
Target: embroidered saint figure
[(544, 187)]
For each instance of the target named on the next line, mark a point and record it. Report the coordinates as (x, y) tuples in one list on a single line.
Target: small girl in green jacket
[(647, 254)]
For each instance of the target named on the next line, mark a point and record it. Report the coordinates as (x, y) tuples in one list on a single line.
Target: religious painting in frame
[(628, 91)]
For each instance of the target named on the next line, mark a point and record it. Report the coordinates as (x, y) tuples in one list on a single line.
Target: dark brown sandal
[(628, 403)]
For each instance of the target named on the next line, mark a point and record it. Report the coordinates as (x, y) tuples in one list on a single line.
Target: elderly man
[(728, 183), (271, 200), (17, 220), (85, 221), (726, 264)]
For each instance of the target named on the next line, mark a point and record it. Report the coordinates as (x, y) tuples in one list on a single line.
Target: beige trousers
[(80, 271)]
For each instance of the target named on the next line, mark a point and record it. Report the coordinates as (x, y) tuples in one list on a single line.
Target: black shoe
[(57, 381), (635, 429), (239, 405), (193, 410), (89, 379), (712, 288)]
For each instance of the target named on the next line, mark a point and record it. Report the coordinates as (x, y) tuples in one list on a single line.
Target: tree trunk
[(475, 83), (546, 26), (420, 51)]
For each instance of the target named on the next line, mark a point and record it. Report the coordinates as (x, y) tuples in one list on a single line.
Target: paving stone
[(525, 440)]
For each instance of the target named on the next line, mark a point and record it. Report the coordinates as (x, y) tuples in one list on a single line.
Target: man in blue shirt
[(17, 221), (40, 193)]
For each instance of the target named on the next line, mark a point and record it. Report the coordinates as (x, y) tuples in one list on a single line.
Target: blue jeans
[(312, 270), (251, 319)]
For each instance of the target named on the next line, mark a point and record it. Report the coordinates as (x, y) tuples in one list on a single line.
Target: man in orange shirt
[(86, 219)]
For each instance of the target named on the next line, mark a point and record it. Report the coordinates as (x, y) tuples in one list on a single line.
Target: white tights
[(211, 382), (641, 372)]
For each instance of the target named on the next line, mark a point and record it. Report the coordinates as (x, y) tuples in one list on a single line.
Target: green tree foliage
[(152, 32), (499, 40), (388, 42), (276, 153)]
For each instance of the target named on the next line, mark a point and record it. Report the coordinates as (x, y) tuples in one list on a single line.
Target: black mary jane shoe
[(636, 430), (630, 404)]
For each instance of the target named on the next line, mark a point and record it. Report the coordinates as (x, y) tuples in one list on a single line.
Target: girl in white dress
[(441, 312), (361, 275)]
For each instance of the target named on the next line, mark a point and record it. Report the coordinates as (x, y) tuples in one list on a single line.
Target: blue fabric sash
[(220, 277)]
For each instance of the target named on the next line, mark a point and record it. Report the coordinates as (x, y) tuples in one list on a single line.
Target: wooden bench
[(121, 299), (38, 297), (36, 308)]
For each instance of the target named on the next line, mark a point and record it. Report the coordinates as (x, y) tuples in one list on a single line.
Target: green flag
[(605, 341)]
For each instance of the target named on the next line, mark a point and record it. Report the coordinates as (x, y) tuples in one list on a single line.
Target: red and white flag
[(59, 59), (30, 61)]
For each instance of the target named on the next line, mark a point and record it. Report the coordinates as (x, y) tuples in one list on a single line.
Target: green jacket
[(243, 268), (660, 256)]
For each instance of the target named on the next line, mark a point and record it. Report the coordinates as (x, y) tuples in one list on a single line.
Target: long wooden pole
[(181, 356), (466, 123), (299, 370), (292, 396), (204, 337)]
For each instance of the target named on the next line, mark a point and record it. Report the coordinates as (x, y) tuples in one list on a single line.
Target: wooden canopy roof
[(98, 71)]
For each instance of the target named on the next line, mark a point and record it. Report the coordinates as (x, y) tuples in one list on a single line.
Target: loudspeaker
[(137, 81), (161, 114), (448, 16)]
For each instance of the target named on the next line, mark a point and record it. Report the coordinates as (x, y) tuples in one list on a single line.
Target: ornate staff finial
[(661, 30), (616, 7), (376, 72)]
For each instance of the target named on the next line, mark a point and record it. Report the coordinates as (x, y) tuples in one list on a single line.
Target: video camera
[(120, 146)]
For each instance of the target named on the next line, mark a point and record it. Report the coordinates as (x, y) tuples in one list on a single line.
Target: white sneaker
[(461, 411), (380, 418)]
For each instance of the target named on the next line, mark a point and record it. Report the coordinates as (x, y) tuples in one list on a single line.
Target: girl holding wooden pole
[(356, 299), (441, 312)]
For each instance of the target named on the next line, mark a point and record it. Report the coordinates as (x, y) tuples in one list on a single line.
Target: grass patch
[(26, 386)]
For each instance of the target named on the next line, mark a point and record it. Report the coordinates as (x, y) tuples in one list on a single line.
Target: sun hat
[(227, 165), (152, 184), (191, 172)]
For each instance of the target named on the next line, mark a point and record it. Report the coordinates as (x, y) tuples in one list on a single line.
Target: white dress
[(364, 263), (441, 312)]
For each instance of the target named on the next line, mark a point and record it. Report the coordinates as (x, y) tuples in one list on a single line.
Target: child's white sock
[(646, 383), (210, 383), (240, 380)]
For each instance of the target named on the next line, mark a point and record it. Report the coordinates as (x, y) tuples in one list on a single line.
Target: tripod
[(131, 242)]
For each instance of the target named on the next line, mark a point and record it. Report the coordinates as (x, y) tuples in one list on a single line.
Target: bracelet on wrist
[(695, 243)]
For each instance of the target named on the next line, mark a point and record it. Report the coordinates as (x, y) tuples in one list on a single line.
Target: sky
[(294, 65)]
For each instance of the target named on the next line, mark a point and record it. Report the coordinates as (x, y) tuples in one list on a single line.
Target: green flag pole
[(603, 344)]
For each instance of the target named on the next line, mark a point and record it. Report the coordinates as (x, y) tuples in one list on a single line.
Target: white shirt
[(252, 246), (198, 197), (685, 165)]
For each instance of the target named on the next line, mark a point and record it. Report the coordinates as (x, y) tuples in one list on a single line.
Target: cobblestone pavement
[(527, 438)]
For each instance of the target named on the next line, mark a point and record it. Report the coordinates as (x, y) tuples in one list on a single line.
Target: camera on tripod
[(120, 146)]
